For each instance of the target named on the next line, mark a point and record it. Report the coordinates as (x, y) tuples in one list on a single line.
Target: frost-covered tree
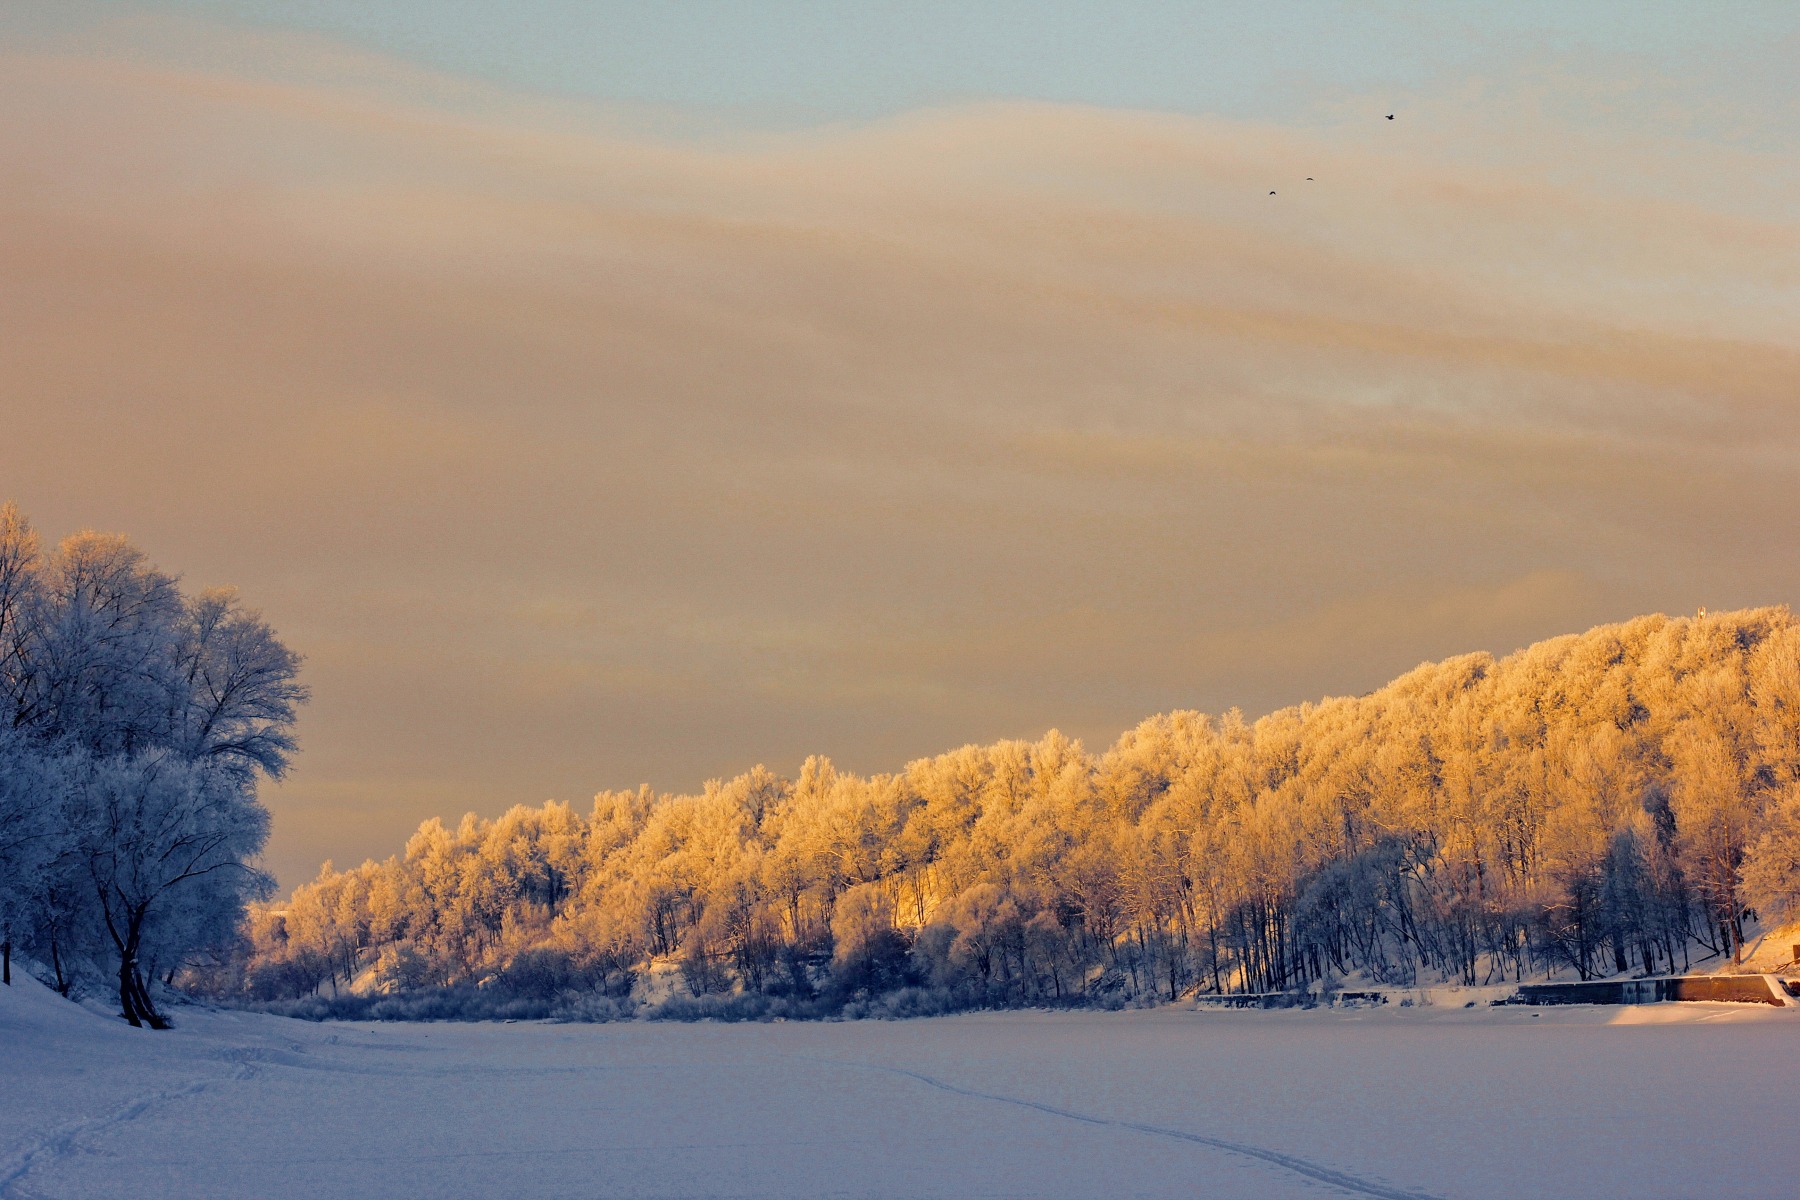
[(153, 830), (28, 793), (1599, 803), (135, 725), (25, 792), (1771, 875)]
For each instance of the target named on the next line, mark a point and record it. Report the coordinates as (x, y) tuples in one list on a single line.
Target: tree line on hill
[(1603, 802), (135, 724)]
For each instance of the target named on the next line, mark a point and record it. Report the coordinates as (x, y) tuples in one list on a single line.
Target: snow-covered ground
[(1673, 1100)]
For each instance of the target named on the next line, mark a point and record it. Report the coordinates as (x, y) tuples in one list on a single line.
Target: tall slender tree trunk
[(6, 962)]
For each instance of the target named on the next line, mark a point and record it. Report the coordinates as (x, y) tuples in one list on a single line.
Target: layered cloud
[(576, 450)]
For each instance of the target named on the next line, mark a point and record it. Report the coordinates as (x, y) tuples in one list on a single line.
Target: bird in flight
[(1390, 116), (1271, 193), (1309, 179)]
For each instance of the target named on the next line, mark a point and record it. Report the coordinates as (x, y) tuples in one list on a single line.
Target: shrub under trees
[(1599, 803)]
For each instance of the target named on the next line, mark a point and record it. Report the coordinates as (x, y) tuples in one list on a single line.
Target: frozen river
[(1669, 1101)]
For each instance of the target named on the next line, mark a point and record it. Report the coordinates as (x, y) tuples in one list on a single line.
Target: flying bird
[(1309, 179), (1271, 193), (1390, 116)]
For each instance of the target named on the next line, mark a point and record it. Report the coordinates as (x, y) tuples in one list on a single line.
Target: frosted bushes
[(870, 954), (462, 1003), (592, 1008), (703, 973), (900, 1004), (401, 968)]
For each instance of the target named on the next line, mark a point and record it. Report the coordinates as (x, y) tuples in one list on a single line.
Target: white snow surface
[(1663, 1101)]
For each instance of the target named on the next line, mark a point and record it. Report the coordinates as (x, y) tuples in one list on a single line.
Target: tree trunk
[(146, 1009), (63, 982), (6, 962), (128, 994), (134, 998)]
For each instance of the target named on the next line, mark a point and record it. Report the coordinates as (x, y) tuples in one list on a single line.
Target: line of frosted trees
[(135, 723), (1621, 800)]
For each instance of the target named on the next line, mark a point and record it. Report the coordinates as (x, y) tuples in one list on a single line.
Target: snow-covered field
[(1675, 1100)]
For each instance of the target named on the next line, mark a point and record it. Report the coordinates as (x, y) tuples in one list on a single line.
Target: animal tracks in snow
[(60, 1143), (1288, 1162)]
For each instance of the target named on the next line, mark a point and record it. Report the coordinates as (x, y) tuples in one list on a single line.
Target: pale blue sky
[(787, 63)]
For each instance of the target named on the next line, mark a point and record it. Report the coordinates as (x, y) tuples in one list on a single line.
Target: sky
[(599, 394)]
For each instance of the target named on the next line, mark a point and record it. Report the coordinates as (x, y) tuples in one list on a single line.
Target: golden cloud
[(578, 451)]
